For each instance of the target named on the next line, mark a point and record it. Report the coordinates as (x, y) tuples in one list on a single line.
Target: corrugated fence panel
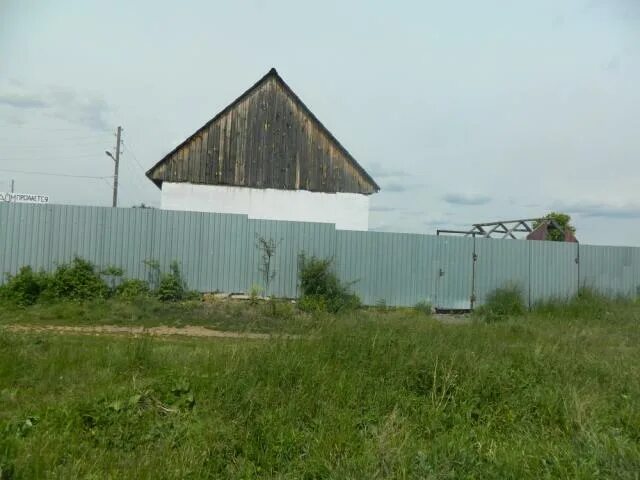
[(611, 271), (219, 252), (24, 240), (455, 273), (358, 254), (291, 239), (77, 232), (223, 253), (501, 263), (554, 270), (45, 235), (394, 268), (178, 237), (635, 267), (127, 240)]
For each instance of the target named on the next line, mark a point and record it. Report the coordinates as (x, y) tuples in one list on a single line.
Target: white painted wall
[(349, 211)]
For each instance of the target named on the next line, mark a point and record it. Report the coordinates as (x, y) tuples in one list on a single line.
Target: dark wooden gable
[(267, 138)]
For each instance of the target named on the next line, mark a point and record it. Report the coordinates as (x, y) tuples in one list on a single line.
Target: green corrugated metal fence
[(218, 252)]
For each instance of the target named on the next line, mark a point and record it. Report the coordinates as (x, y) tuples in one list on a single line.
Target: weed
[(26, 287), (132, 289), (254, 293), (312, 303), (153, 273), (172, 287), (423, 307), (317, 280), (587, 303), (381, 306), (268, 249), (502, 303), (78, 280), (366, 396)]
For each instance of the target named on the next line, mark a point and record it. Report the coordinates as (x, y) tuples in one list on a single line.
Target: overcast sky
[(463, 111)]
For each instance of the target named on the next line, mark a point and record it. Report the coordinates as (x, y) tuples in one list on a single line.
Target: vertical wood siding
[(266, 139)]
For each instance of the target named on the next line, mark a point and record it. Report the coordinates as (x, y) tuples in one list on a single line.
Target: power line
[(80, 142), (107, 184), (49, 174), (130, 150), (133, 174), (28, 127), (37, 156)]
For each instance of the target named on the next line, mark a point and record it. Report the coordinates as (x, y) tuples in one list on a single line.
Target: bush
[(322, 289), (132, 288), (78, 280), (312, 303), (26, 287), (172, 287), (501, 303)]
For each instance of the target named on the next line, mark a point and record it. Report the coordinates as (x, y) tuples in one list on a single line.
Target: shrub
[(132, 288), (312, 303), (26, 287), (172, 287), (319, 282), (78, 280), (501, 303)]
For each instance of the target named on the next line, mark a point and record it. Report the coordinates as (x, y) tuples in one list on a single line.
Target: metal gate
[(454, 286)]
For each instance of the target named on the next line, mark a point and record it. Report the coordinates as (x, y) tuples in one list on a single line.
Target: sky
[(462, 111)]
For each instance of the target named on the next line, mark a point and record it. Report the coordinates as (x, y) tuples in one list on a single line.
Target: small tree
[(564, 222)]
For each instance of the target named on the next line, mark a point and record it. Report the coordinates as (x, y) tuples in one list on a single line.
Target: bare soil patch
[(161, 331)]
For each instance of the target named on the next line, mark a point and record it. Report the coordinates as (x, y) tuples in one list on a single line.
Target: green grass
[(369, 395)]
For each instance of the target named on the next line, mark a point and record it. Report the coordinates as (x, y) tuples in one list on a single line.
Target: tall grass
[(364, 397)]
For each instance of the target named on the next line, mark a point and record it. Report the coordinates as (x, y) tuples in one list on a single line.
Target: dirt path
[(164, 331), (188, 331)]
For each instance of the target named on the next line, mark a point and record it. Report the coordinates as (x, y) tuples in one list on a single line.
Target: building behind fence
[(220, 252)]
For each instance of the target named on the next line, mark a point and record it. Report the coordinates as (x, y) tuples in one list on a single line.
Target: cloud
[(80, 108), (384, 209), (600, 210), (466, 199), (64, 103), (22, 100), (558, 22), (395, 188), (612, 65), (16, 120), (377, 170)]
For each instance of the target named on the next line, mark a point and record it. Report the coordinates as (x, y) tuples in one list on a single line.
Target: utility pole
[(116, 159), (12, 185)]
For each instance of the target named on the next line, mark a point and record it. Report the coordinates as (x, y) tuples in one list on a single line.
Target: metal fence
[(219, 252)]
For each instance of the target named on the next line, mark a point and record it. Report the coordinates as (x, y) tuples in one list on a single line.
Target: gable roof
[(266, 138)]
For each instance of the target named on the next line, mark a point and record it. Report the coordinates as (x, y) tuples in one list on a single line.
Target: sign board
[(9, 197)]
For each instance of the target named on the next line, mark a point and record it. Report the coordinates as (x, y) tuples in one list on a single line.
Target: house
[(267, 156)]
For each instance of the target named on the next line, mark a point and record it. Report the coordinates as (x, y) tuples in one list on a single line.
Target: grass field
[(555, 394)]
